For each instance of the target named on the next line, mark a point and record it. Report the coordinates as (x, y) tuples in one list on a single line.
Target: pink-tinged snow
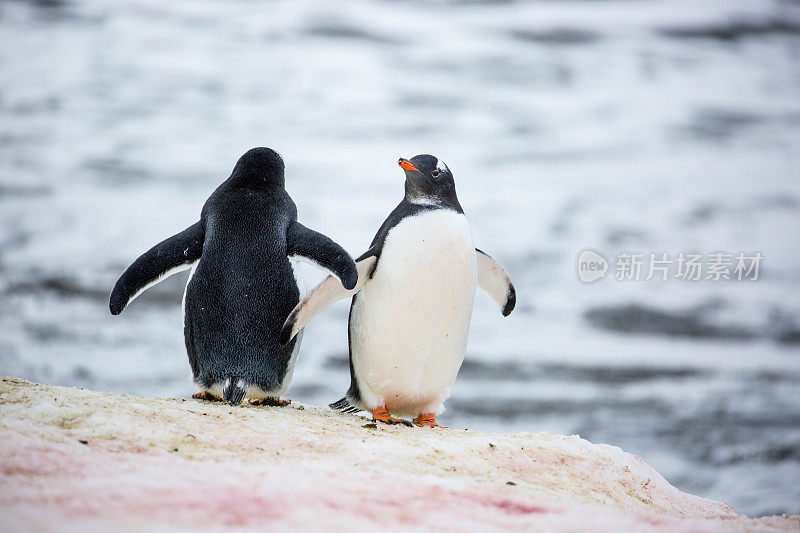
[(81, 460)]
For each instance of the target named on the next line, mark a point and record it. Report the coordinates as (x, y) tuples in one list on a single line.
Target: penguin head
[(428, 179), (259, 166)]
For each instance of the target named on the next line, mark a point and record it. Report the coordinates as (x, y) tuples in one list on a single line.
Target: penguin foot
[(207, 396), (274, 402), (380, 414), (428, 420)]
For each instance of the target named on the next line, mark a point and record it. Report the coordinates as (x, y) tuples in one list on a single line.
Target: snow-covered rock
[(94, 461)]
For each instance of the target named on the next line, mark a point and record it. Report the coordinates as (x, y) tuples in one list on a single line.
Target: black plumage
[(243, 285)]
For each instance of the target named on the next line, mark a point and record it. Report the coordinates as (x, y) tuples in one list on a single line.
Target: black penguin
[(412, 305), (242, 285)]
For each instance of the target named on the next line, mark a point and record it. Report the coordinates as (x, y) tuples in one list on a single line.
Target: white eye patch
[(440, 166)]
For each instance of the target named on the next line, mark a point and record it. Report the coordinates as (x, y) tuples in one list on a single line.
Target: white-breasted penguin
[(242, 285), (412, 305)]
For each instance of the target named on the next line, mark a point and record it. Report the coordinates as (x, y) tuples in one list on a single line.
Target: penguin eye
[(435, 173)]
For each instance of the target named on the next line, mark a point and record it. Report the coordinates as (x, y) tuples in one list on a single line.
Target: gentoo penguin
[(412, 305), (242, 285)]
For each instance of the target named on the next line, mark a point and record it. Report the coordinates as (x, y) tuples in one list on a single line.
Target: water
[(618, 126)]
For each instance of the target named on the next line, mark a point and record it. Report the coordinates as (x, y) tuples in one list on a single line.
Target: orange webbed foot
[(274, 402), (428, 420), (207, 396), (380, 414)]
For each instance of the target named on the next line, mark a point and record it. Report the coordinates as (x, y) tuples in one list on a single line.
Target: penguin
[(412, 305), (242, 285)]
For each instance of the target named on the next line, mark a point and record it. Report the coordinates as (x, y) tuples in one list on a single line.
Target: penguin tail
[(233, 392), (344, 406)]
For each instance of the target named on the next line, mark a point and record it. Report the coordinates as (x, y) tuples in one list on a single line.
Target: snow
[(75, 459)]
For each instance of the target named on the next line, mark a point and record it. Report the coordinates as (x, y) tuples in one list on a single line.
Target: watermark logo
[(591, 266), (684, 266)]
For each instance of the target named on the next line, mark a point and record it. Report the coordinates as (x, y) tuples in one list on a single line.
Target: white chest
[(410, 322), (434, 247)]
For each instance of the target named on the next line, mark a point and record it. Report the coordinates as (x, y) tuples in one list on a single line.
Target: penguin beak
[(406, 164)]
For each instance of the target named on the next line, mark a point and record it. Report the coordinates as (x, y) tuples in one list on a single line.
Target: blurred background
[(642, 126)]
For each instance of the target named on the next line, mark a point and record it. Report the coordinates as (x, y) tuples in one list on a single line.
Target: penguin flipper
[(171, 255), (322, 251), (493, 279), (328, 291)]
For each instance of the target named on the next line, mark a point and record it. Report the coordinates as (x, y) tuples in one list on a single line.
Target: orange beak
[(406, 164)]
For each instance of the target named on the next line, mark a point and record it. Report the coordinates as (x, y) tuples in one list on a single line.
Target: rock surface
[(94, 461)]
